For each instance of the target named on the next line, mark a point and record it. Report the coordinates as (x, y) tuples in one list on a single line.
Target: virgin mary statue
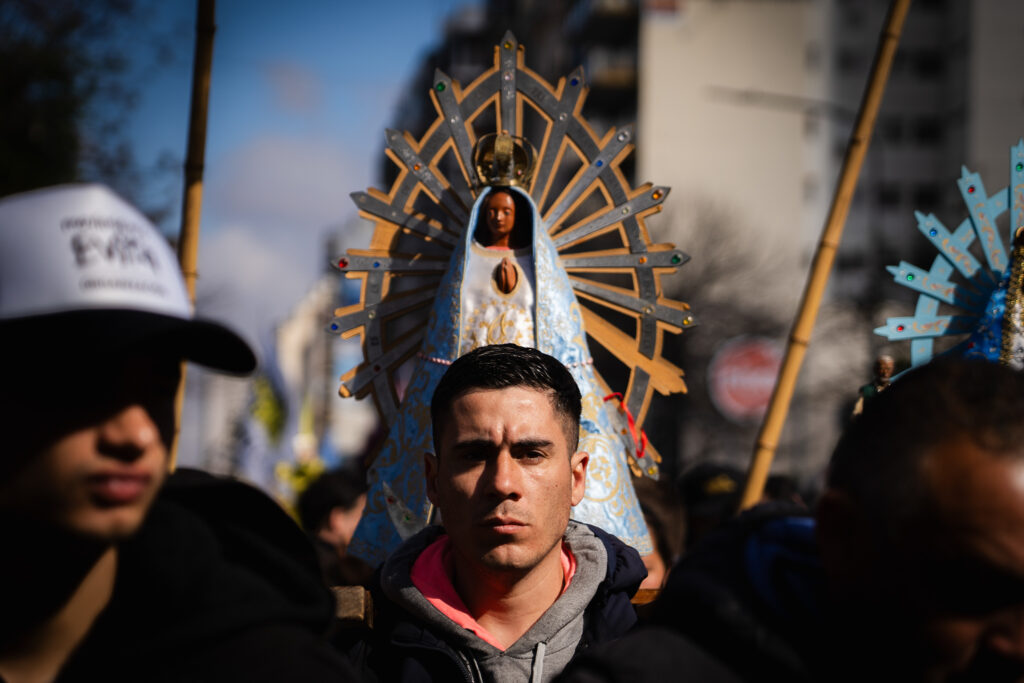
[(489, 295)]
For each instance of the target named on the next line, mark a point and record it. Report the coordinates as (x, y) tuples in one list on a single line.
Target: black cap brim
[(204, 342)]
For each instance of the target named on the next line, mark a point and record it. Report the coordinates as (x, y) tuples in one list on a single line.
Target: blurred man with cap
[(107, 573)]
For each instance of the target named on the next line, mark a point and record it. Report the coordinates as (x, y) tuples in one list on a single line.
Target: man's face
[(504, 479), (91, 453), (501, 218), (963, 569)]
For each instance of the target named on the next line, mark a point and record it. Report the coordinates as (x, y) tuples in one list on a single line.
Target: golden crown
[(503, 159)]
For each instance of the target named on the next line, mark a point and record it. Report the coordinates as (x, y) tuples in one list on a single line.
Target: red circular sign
[(742, 375)]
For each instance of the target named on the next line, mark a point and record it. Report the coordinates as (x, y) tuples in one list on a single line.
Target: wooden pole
[(192, 203), (800, 335)]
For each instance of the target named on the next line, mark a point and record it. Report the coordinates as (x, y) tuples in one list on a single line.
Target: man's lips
[(504, 525), (119, 488)]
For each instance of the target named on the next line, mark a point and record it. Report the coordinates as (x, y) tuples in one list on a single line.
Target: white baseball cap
[(80, 262)]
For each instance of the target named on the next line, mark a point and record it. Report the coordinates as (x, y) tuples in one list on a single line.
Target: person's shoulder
[(749, 594), (625, 569), (218, 580), (648, 654), (272, 652)]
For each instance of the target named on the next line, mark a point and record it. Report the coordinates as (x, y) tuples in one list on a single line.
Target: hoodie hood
[(545, 649)]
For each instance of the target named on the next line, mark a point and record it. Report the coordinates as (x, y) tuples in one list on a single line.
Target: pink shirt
[(432, 574)]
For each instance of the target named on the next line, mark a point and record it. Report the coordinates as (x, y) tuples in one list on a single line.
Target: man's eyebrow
[(487, 444), (474, 444), (526, 444)]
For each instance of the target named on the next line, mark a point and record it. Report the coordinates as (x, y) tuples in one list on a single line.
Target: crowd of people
[(909, 566)]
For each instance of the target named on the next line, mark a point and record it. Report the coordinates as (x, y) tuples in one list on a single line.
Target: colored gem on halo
[(574, 81), (1019, 166), (910, 277), (933, 232), (334, 326), (970, 189), (439, 87), (676, 258), (376, 264), (643, 259), (599, 162), (343, 263), (656, 194), (899, 328), (508, 45)]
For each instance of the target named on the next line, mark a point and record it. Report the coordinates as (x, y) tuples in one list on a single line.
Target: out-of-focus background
[(743, 107)]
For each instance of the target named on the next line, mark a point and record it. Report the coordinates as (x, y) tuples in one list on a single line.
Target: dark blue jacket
[(744, 605)]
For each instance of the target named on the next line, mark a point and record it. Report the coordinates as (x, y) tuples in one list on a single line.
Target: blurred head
[(332, 505), (94, 323), (88, 447), (922, 519), (711, 495), (884, 367), (505, 472), (663, 513)]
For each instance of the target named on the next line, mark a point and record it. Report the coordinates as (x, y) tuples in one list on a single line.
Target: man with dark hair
[(112, 569), (508, 588), (914, 570)]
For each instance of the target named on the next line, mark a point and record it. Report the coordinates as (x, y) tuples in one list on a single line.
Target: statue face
[(500, 212)]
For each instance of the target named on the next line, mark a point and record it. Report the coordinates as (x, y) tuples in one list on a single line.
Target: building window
[(849, 60), (888, 196), (927, 197), (927, 130), (812, 56), (890, 130), (929, 64)]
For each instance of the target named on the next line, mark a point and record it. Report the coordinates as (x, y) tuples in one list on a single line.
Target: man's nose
[(505, 476), (128, 433)]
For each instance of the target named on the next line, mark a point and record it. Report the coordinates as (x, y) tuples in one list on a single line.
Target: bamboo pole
[(800, 335), (192, 203)]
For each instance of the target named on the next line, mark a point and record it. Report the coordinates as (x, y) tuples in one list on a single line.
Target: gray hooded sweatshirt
[(544, 650)]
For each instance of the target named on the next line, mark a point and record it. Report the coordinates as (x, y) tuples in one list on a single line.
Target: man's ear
[(430, 474), (578, 463)]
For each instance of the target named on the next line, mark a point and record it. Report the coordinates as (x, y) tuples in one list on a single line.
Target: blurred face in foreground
[(91, 447), (505, 479), (963, 570)]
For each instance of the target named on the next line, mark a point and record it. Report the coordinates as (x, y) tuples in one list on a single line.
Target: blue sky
[(301, 94)]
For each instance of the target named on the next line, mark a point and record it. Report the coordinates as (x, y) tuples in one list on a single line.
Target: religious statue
[(502, 272), (885, 365), (974, 289)]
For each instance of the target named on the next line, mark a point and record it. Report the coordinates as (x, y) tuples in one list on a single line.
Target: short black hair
[(501, 366), (877, 460)]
